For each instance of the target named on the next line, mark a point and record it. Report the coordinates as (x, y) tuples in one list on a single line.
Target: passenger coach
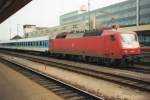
[(40, 44)]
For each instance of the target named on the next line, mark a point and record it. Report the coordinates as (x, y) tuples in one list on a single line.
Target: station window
[(75, 26)]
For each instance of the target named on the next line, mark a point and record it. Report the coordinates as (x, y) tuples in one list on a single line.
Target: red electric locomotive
[(106, 46)]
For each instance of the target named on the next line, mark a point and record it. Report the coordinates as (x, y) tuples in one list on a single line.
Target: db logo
[(72, 45)]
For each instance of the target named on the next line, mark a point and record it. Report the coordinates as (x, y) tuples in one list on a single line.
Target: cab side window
[(112, 37)]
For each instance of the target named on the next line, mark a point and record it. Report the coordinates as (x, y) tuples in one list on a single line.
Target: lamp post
[(17, 29), (137, 12), (10, 32), (89, 5)]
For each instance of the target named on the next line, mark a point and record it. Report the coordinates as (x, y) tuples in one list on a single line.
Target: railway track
[(145, 59), (137, 68), (66, 91), (119, 79), (142, 69)]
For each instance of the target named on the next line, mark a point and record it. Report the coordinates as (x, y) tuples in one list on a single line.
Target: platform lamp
[(137, 12), (89, 5)]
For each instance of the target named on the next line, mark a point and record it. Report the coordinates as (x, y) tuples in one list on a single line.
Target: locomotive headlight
[(139, 51), (125, 51)]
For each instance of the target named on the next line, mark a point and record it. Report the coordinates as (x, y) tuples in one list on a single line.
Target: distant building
[(133, 15), (28, 30), (16, 37), (34, 31), (127, 13)]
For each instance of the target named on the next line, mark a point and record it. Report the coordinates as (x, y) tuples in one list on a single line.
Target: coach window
[(40, 43), (34, 43), (37, 43), (31, 43), (44, 43), (47, 43)]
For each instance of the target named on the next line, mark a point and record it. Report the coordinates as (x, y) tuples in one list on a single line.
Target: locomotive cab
[(129, 40), (130, 46)]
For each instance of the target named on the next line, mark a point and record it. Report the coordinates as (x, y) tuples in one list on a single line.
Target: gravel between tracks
[(100, 87)]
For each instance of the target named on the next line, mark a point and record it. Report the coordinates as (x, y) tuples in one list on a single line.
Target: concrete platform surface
[(15, 86)]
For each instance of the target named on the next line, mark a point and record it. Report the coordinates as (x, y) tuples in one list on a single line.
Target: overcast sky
[(45, 13)]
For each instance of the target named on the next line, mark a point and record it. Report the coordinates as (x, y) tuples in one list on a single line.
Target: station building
[(125, 14)]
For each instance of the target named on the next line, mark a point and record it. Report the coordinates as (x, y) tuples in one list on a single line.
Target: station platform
[(15, 86)]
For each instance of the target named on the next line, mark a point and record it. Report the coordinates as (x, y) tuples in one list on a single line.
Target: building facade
[(124, 14)]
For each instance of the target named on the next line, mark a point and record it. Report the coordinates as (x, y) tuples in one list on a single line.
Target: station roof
[(9, 7)]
